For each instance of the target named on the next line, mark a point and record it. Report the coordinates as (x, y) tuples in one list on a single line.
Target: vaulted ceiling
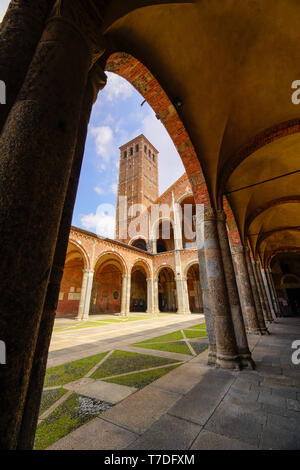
[(232, 64)]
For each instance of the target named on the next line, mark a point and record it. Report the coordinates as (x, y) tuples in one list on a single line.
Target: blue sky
[(117, 117)]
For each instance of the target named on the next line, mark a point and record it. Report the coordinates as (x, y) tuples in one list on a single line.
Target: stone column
[(20, 32), (268, 293), (245, 291), (87, 302), (128, 293), (177, 224), (233, 295), (97, 80), (150, 296), (256, 292), (209, 318), (155, 297), (82, 295), (124, 294), (273, 292), (37, 147), (227, 354), (182, 300), (264, 300)]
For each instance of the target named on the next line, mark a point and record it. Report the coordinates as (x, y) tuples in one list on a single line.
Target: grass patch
[(179, 347), (122, 361), (176, 336), (72, 413), (142, 379), (199, 347), (49, 397), (71, 371), (202, 326), (195, 334)]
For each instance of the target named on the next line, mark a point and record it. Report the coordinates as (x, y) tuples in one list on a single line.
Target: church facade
[(152, 266)]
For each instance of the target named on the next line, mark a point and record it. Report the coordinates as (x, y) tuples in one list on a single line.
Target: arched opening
[(107, 286), (138, 294), (165, 237), (286, 275), (194, 289), (70, 289), (140, 243), (167, 301), (188, 229)]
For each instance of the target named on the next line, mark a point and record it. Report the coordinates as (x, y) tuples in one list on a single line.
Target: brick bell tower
[(138, 177)]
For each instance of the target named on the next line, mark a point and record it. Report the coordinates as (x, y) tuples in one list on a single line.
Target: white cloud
[(99, 190), (117, 88), (104, 142), (170, 164), (103, 222), (3, 7)]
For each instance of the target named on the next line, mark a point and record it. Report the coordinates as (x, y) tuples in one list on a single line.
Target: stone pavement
[(71, 345), (197, 407)]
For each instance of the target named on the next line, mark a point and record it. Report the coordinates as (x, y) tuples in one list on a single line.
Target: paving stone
[(275, 410), (276, 439), (199, 404), (287, 423), (293, 405), (247, 395), (180, 380), (285, 392), (212, 441), (139, 411), (96, 435), (78, 384), (168, 433), (109, 392), (274, 400), (237, 422)]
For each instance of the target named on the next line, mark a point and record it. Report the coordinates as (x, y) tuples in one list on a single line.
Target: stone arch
[(163, 244), (144, 264), (109, 272), (192, 275), (290, 281), (134, 240), (83, 252), (140, 272), (136, 73), (167, 292)]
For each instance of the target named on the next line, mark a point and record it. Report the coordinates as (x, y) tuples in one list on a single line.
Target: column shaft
[(207, 311), (37, 148), (150, 296), (31, 409), (87, 302), (245, 291), (227, 355), (82, 295), (268, 293), (20, 32), (264, 300), (234, 300), (256, 291)]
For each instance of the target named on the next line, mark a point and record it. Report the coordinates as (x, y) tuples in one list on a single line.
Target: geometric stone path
[(197, 407)]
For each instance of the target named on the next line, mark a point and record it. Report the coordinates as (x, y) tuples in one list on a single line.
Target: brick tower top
[(138, 175)]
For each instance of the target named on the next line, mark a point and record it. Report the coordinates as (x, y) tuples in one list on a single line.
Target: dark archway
[(167, 300), (138, 295), (194, 289)]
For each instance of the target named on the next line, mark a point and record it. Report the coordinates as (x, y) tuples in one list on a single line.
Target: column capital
[(86, 19), (97, 80), (221, 216)]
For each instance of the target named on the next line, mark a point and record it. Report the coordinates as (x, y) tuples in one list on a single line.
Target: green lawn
[(122, 361), (72, 413), (71, 371), (141, 379), (49, 397), (179, 347), (195, 334)]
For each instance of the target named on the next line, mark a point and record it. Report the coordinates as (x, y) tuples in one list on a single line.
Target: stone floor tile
[(168, 433), (141, 410), (109, 392), (212, 441), (96, 435)]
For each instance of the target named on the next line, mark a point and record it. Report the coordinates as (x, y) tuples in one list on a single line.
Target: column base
[(228, 362), (183, 312), (212, 356), (247, 361)]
